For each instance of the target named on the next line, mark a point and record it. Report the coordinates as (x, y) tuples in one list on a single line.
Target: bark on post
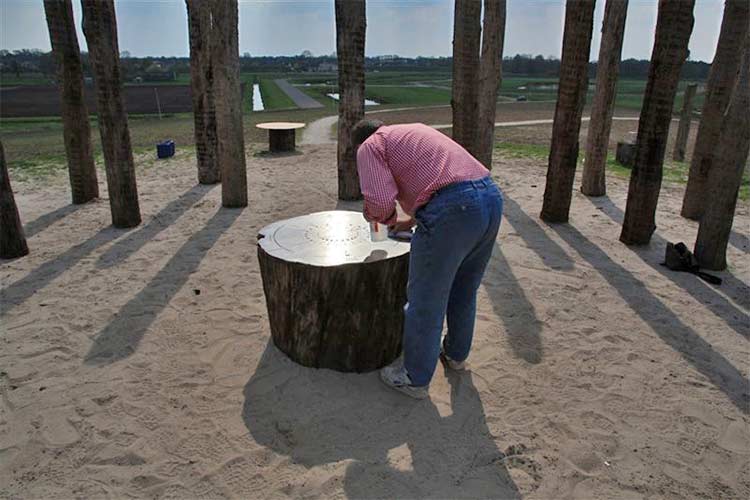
[(730, 157), (607, 71), (571, 96), (12, 239), (319, 272), (490, 76), (674, 24), (465, 99), (100, 28), (686, 116), (721, 80), (350, 49), (76, 129), (225, 59), (201, 82)]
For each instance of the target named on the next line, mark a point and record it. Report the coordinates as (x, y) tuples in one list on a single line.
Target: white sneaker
[(396, 377), (452, 364)]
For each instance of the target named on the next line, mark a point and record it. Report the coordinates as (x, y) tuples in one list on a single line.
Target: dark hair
[(364, 129)]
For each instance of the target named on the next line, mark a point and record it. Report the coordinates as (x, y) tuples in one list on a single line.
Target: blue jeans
[(451, 247)]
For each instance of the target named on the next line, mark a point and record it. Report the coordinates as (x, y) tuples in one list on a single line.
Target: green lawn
[(273, 96), (34, 148), (674, 171)]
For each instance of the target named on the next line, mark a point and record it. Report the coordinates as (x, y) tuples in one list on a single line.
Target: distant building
[(156, 72), (327, 67)]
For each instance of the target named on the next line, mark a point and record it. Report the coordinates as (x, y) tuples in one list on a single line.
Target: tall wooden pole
[(351, 25), (571, 96), (79, 152), (201, 85), (686, 116), (673, 27), (730, 160), (100, 28), (465, 98), (12, 239), (721, 80), (490, 76), (225, 58), (607, 71)]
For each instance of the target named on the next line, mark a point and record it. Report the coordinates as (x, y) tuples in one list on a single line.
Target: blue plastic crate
[(165, 149)]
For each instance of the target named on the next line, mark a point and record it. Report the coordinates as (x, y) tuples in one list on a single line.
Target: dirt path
[(301, 99), (319, 131)]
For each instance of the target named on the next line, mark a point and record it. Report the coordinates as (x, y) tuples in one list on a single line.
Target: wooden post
[(350, 50), (335, 299), (12, 239), (100, 28), (84, 186), (490, 77), (673, 27), (686, 116), (724, 179), (225, 60), (202, 88), (721, 79), (571, 96), (467, 31), (607, 71)]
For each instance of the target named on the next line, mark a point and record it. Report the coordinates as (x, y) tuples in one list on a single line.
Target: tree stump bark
[(100, 29), (724, 179), (76, 129), (680, 144), (490, 76), (467, 34), (593, 182), (12, 239), (625, 154), (350, 49), (335, 299), (674, 24), (571, 96), (202, 89), (281, 140), (721, 80)]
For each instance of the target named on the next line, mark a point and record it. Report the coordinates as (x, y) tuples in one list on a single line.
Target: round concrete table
[(280, 135), (335, 299)]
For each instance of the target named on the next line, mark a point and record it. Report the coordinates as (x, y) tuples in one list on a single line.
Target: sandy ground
[(137, 363)]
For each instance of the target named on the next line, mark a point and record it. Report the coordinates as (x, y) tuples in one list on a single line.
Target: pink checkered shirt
[(408, 163)]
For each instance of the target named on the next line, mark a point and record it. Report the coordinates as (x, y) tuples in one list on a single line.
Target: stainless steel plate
[(327, 239)]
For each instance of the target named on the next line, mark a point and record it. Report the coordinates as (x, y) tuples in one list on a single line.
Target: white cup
[(378, 232)]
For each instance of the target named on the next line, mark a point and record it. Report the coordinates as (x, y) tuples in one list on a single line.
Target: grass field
[(34, 148), (676, 172)]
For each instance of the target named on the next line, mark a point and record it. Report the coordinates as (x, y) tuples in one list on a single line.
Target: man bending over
[(457, 208)]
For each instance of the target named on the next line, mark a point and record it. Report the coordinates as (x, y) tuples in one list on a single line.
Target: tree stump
[(625, 154), (281, 135), (335, 299)]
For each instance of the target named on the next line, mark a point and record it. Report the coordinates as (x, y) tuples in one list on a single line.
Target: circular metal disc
[(327, 239)]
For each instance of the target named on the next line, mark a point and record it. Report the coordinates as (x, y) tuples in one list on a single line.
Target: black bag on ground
[(679, 258)]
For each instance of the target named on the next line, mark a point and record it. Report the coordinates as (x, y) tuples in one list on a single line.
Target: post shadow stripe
[(664, 322), (121, 336)]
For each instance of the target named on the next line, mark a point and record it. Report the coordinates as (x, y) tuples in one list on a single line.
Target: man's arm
[(378, 185)]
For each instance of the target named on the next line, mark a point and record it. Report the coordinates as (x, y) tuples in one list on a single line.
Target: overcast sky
[(403, 27)]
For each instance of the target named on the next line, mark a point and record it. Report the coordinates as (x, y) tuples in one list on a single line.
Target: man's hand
[(403, 225)]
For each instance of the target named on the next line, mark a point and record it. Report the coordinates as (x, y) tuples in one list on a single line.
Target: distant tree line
[(34, 61)]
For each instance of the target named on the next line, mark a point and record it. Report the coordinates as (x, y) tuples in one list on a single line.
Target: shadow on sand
[(126, 247), (662, 320), (43, 222), (17, 293), (396, 447), (735, 317), (120, 338)]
